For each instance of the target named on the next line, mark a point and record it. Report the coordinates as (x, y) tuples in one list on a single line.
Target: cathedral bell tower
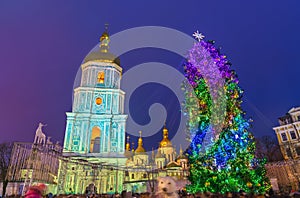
[(96, 125)]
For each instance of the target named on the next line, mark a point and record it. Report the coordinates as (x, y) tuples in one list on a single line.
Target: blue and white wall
[(97, 122)]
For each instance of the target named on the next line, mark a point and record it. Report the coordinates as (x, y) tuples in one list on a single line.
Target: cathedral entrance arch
[(95, 140)]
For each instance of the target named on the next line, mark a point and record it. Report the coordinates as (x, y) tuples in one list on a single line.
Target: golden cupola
[(165, 142), (128, 153), (102, 54), (127, 148), (140, 148), (132, 150)]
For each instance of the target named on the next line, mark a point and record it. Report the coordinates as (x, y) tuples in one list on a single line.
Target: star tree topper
[(199, 36)]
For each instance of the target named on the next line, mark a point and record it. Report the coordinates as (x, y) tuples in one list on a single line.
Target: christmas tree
[(222, 150)]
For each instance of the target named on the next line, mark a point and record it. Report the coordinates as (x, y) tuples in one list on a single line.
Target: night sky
[(42, 44)]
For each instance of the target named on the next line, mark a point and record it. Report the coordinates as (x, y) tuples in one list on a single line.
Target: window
[(132, 176), (293, 135), (283, 137), (298, 117), (100, 77)]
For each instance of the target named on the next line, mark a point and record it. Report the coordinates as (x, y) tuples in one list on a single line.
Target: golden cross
[(106, 26)]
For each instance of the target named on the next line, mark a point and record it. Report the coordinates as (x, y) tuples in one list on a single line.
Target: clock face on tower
[(98, 101)]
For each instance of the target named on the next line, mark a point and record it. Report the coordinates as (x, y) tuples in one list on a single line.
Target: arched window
[(95, 140), (100, 77)]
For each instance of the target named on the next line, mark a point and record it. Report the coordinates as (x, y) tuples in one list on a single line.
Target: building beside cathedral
[(95, 157), (32, 163), (285, 174), (288, 134)]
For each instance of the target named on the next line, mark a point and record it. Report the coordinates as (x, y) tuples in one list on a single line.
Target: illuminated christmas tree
[(222, 150)]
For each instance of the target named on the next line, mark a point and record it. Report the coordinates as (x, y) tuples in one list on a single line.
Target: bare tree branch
[(5, 154), (268, 147)]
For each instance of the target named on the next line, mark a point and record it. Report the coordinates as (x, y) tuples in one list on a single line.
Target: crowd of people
[(38, 191)]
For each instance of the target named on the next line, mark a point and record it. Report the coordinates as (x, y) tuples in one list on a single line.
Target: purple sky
[(42, 44)]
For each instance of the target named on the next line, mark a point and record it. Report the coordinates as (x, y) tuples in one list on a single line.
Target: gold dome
[(102, 54), (165, 142), (140, 148)]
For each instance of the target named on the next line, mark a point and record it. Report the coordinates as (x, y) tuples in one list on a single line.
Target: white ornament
[(199, 36)]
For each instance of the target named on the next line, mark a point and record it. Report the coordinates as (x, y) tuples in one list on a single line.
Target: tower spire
[(128, 144), (104, 40), (180, 151), (140, 141), (165, 132), (106, 27), (140, 148), (132, 147), (165, 141), (152, 154)]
